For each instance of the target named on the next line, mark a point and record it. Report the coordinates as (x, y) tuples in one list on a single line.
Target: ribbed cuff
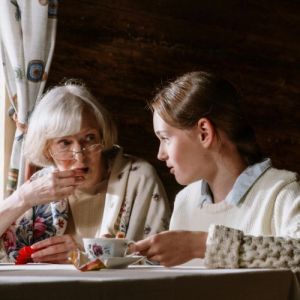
[(222, 247)]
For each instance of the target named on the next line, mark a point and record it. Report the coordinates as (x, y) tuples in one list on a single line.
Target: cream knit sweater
[(229, 248), (270, 208)]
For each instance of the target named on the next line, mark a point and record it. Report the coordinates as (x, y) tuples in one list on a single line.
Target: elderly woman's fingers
[(54, 186), (54, 249), (62, 178), (58, 239), (61, 258), (75, 175), (67, 181)]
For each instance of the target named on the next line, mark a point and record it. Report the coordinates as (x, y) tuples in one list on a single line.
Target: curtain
[(27, 39)]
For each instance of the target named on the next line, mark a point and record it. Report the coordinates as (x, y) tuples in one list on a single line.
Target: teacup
[(104, 248)]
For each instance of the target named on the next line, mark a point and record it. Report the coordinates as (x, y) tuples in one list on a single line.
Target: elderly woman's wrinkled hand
[(54, 250), (53, 186), (171, 248)]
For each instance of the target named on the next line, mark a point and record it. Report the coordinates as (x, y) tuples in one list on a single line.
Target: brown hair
[(200, 94)]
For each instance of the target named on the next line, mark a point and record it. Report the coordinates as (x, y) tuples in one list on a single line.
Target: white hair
[(58, 114)]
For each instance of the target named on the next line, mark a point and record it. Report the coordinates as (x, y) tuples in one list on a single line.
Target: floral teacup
[(104, 248)]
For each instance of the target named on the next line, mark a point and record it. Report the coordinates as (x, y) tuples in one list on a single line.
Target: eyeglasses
[(71, 154)]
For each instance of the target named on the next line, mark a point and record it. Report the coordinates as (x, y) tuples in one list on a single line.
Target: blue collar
[(241, 186)]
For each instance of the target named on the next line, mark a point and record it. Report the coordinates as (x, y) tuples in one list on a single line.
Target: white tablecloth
[(46, 281)]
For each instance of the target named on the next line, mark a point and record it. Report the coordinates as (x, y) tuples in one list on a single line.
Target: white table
[(46, 281)]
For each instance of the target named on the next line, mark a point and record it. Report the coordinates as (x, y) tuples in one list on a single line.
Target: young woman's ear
[(206, 132)]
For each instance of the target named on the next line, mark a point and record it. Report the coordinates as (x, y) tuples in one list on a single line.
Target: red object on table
[(24, 256)]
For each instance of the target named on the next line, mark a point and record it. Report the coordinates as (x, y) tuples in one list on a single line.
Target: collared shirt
[(241, 186)]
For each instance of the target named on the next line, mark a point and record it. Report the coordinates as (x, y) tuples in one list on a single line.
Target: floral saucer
[(121, 262)]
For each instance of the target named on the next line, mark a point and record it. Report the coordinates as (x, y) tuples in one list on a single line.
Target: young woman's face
[(180, 149), (87, 163)]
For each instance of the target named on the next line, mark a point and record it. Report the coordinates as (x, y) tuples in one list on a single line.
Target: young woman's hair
[(200, 94), (59, 113)]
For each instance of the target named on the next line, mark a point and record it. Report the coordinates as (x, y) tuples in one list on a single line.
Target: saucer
[(121, 262)]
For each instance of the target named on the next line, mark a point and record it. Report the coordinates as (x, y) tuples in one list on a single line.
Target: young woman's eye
[(164, 140)]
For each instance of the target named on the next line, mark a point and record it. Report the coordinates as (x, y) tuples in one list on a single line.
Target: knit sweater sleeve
[(230, 248)]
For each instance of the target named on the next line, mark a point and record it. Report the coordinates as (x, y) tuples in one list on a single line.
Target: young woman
[(101, 190), (210, 147)]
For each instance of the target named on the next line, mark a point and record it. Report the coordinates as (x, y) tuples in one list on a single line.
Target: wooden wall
[(125, 49)]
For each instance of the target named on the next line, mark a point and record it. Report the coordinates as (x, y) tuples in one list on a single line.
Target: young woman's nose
[(161, 155)]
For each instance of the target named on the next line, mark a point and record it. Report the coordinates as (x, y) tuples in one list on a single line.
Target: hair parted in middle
[(59, 113)]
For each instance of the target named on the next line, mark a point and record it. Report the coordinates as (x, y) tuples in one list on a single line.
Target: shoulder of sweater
[(271, 177), (279, 176)]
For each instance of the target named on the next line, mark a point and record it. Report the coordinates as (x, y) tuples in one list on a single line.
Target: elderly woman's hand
[(53, 186), (171, 248), (54, 250)]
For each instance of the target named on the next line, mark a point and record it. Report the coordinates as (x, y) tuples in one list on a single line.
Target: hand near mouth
[(80, 174), (53, 186)]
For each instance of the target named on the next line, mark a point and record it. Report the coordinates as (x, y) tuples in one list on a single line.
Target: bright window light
[(7, 129), (2, 129)]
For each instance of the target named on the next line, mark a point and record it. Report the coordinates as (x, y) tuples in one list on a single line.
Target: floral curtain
[(27, 38)]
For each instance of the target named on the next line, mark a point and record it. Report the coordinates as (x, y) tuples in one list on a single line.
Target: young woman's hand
[(171, 248), (54, 250), (53, 186)]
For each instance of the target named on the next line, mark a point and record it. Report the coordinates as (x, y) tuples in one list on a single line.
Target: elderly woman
[(87, 188)]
